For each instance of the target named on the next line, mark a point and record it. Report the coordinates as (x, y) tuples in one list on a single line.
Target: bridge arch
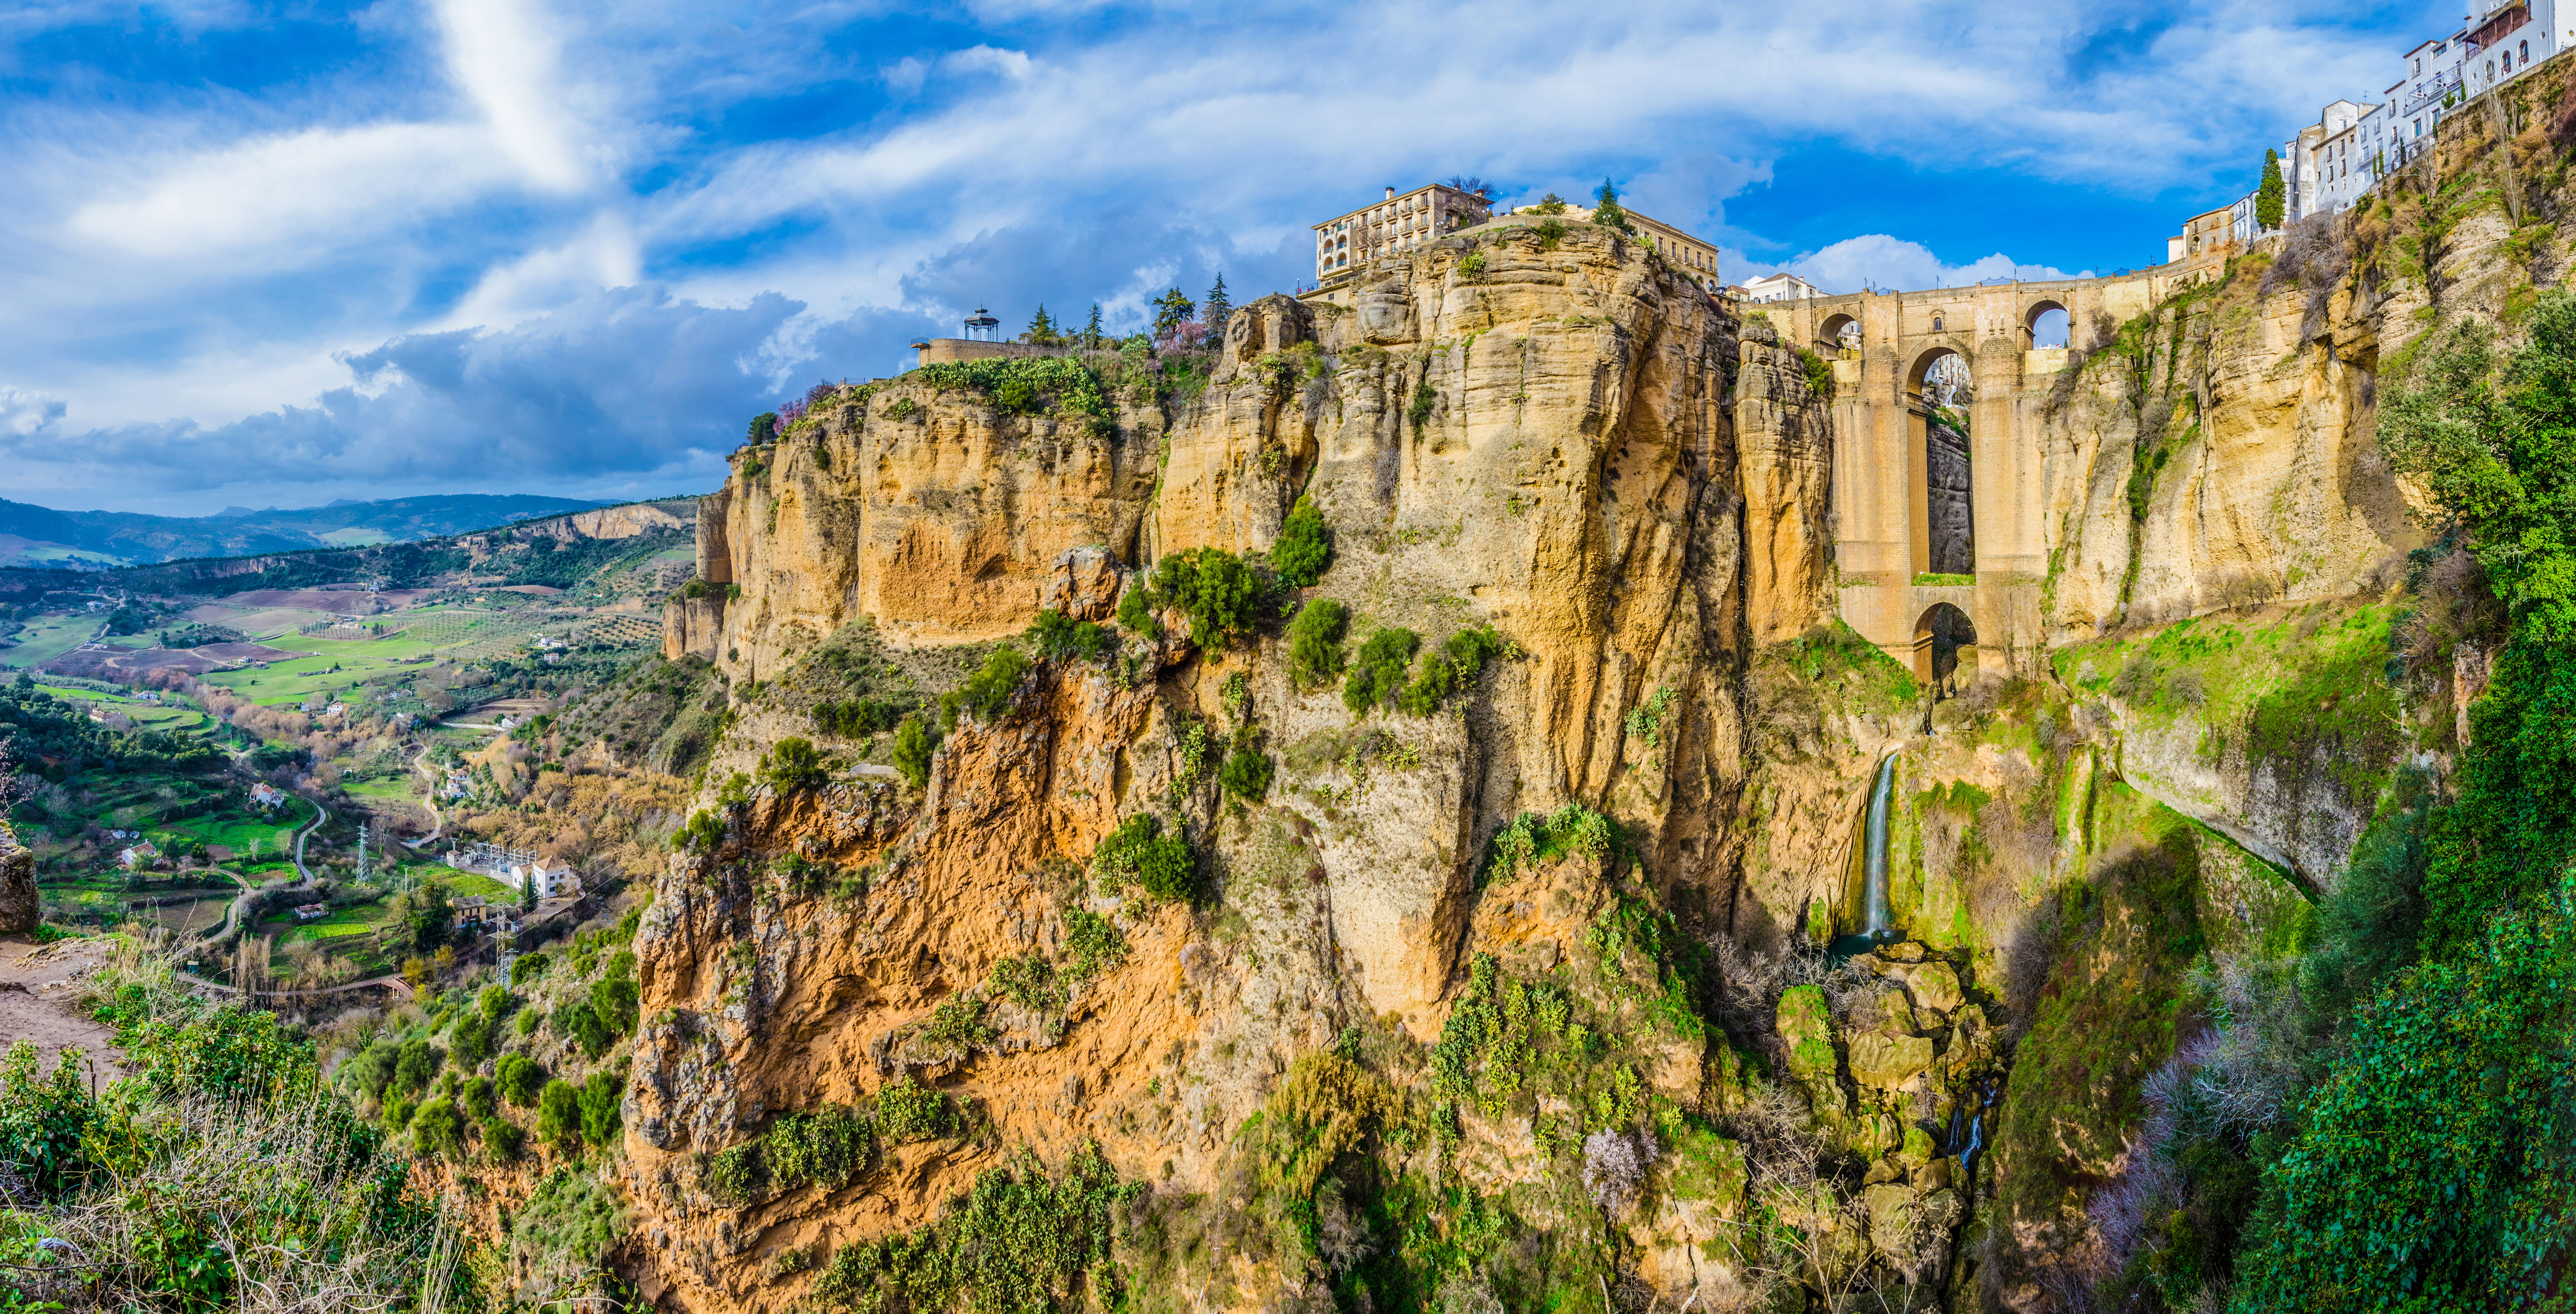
[(2047, 324), (1940, 396), (1840, 333), (1945, 645)]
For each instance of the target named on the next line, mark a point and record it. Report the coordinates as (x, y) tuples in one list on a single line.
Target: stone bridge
[(1909, 521)]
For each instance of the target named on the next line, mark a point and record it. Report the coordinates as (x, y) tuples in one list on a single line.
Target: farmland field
[(48, 637)]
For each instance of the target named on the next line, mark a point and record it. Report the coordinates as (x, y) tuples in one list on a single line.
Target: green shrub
[(793, 765), (738, 1174), (528, 967), (1646, 720), (44, 1121), (1305, 547), (854, 719), (397, 1112), (2431, 1171), (1136, 610), (1092, 944), (438, 1130), (989, 691), (476, 1098), (1425, 399), (1139, 852), (1378, 675), (914, 742), (600, 1096), (1460, 660), (700, 834), (615, 999), (578, 1022), (1025, 384), (496, 1001), (764, 428), (520, 1078), (502, 1139), (1246, 774), (1551, 232), (415, 1066), (1531, 838), (471, 1041), (1018, 1243), (827, 1147), (529, 1021), (1819, 372), (1057, 635), (1028, 981), (559, 1117), (1220, 593), (1315, 643), (910, 1111)]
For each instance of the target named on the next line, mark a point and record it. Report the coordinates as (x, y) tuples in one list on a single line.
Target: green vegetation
[(793, 766), (1378, 674), (1020, 1242), (2271, 193), (1028, 385), (1059, 636), (1222, 595), (1819, 372), (1305, 546), (1139, 853), (989, 692), (1606, 211), (1571, 831), (1451, 670), (914, 742), (1246, 774), (1929, 580), (1315, 643)]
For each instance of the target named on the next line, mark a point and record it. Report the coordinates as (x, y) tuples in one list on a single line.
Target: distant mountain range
[(122, 537)]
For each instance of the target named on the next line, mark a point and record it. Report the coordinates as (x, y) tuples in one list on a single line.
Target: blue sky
[(281, 253)]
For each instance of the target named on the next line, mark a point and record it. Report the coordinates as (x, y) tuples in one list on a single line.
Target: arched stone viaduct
[(1883, 475)]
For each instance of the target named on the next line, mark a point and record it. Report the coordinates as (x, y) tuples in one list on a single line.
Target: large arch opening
[(1944, 392), (1945, 649), (1840, 333), (2047, 325)]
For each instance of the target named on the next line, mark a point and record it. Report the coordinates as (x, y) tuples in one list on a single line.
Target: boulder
[(1806, 1025), (1084, 584), (1933, 984), (1885, 1062), (20, 907)]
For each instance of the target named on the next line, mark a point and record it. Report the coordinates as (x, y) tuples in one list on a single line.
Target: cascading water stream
[(1874, 913)]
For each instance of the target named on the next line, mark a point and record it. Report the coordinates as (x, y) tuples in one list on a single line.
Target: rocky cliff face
[(20, 905), (1534, 945)]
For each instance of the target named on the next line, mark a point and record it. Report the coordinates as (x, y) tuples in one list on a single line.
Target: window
[(2526, 52), (1936, 321)]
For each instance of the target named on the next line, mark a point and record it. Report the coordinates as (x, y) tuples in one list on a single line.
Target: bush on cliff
[(989, 691), (1305, 546), (1222, 594), (1451, 670), (1139, 853), (1060, 636), (1315, 643), (914, 742), (792, 765), (1378, 676)]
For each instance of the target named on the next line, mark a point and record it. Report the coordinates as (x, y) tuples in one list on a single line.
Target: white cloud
[(502, 55), (292, 192), (1881, 261), (25, 414)]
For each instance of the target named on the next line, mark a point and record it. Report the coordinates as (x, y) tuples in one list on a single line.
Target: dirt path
[(35, 990)]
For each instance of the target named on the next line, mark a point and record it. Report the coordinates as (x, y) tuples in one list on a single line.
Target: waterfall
[(1874, 913)]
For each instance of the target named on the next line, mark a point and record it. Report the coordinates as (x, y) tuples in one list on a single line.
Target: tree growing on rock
[(2272, 194)]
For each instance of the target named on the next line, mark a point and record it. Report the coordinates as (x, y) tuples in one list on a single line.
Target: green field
[(48, 637), (340, 924), (391, 789), (462, 883), (235, 831)]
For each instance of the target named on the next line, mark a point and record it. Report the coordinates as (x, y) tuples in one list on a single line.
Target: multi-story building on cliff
[(1400, 222), (1393, 224), (1782, 286)]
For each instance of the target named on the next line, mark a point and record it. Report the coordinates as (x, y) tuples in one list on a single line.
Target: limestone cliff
[(1570, 917)]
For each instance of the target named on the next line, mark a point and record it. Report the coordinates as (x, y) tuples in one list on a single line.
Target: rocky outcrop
[(21, 907)]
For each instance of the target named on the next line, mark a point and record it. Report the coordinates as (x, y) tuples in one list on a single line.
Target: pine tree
[(1218, 307), (1607, 212), (1042, 329), (1171, 310), (1091, 331), (2271, 196), (1549, 204)]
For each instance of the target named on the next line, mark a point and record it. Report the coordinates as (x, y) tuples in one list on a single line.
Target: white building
[(549, 880), (1782, 286)]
